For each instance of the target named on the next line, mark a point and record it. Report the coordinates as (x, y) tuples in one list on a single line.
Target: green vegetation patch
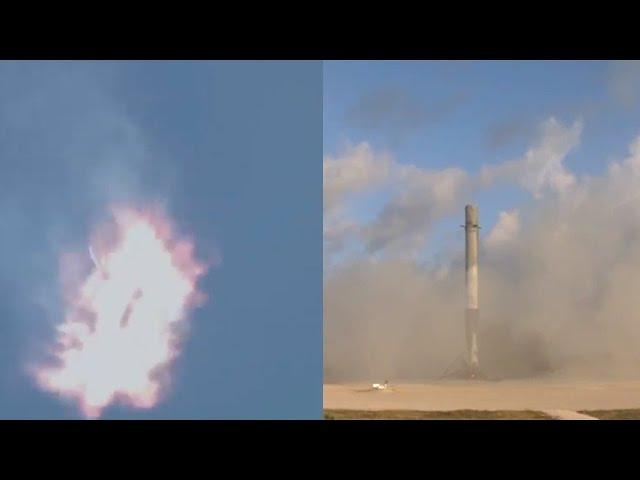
[(624, 414)]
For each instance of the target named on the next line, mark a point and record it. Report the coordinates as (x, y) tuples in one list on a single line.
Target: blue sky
[(234, 149), (437, 115)]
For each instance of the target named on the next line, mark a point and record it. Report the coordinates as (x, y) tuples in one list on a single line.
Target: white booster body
[(471, 277)]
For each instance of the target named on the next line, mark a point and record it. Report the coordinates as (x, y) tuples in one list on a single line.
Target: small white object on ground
[(380, 386)]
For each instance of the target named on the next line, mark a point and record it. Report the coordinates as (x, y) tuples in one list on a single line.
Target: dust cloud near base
[(559, 296)]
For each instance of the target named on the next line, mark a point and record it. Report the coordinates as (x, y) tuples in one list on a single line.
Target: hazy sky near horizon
[(234, 150), (467, 115)]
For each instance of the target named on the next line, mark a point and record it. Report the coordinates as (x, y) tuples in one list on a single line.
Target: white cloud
[(423, 197), (505, 230), (541, 168), (419, 197), (356, 171)]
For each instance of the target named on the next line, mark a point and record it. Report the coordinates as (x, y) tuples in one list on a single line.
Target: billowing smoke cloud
[(357, 171), (422, 198), (505, 230), (417, 199), (507, 132), (70, 149), (541, 168), (395, 113), (558, 282)]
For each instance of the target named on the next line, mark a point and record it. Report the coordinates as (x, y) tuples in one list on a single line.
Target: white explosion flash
[(119, 335)]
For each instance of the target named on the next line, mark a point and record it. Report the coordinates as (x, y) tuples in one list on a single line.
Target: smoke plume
[(71, 149), (558, 283)]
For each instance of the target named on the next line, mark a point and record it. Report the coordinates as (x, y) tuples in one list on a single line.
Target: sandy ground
[(568, 415), (558, 398)]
